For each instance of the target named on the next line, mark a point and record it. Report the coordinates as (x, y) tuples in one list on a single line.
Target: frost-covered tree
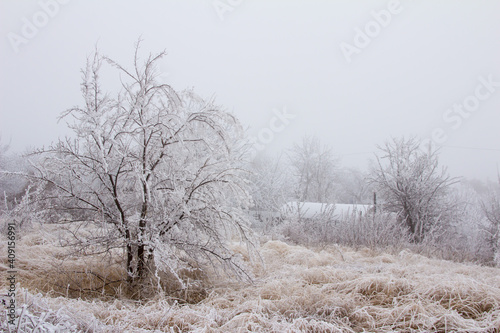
[(412, 183), (270, 183), (353, 187), (314, 168), (158, 172), (491, 210)]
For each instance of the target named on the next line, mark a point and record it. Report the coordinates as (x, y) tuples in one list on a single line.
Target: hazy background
[(256, 56)]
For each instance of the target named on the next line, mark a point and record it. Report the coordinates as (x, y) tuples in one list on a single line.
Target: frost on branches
[(491, 209), (158, 172), (414, 186)]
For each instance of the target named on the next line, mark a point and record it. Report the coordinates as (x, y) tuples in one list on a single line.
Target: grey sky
[(259, 56)]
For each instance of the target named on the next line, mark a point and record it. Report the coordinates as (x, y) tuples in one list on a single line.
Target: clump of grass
[(46, 267)]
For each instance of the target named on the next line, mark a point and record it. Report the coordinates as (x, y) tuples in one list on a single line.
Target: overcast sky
[(353, 73)]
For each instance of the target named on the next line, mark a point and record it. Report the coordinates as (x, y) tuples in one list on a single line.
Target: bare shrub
[(375, 231), (305, 230), (491, 209), (380, 230)]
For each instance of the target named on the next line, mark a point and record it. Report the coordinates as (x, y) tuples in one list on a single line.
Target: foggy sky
[(314, 61)]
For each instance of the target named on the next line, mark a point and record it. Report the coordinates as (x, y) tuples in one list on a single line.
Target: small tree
[(413, 185), (353, 187), (270, 187), (314, 171), (157, 171)]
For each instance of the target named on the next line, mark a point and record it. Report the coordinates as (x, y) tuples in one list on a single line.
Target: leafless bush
[(491, 210), (465, 241), (467, 238), (380, 230), (304, 231)]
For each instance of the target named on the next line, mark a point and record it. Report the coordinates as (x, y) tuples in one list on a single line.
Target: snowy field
[(296, 289), (249, 166)]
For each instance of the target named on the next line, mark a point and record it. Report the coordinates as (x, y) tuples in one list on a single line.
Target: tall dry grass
[(297, 289)]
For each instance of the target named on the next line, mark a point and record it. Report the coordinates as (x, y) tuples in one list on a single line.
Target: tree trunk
[(141, 249), (141, 261), (130, 257)]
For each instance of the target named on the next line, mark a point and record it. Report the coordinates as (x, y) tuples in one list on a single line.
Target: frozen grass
[(333, 289)]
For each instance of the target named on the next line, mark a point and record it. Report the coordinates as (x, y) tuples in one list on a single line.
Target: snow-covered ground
[(296, 289)]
